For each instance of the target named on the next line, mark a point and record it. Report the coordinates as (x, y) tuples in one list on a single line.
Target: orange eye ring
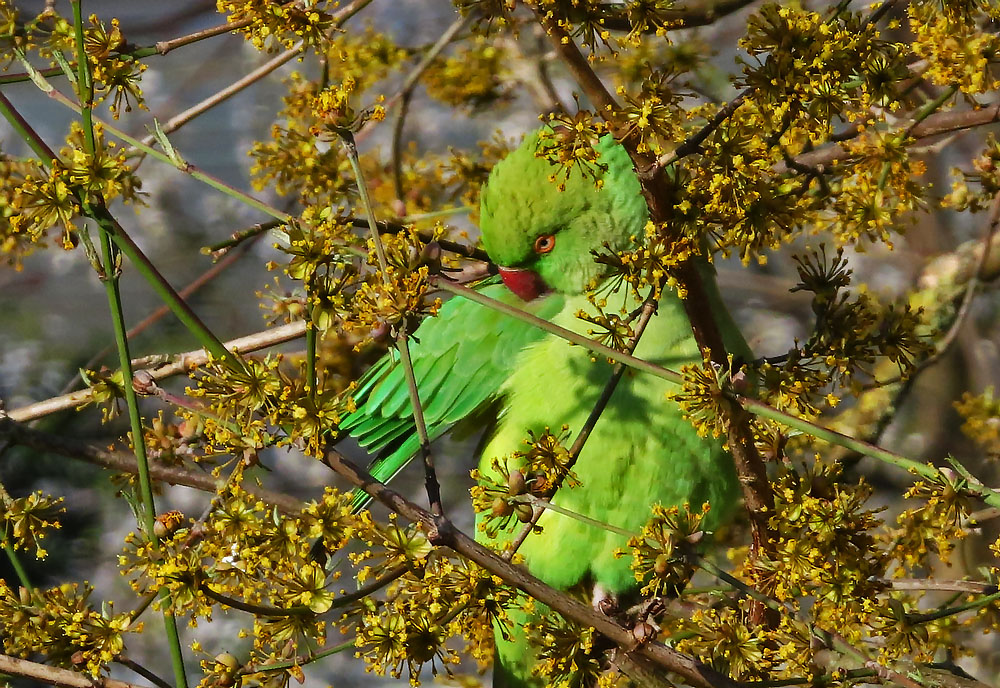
[(545, 243)]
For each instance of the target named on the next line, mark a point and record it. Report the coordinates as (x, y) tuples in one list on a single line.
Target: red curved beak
[(525, 283)]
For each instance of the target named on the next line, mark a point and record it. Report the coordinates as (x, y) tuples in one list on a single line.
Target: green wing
[(460, 360)]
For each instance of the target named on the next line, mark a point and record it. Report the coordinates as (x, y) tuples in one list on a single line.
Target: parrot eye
[(545, 243)]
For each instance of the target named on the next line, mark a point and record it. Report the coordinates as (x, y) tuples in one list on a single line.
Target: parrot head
[(542, 237)]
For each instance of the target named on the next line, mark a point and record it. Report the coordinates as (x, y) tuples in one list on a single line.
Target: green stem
[(754, 406), (931, 107), (111, 287), (569, 335), (15, 562), (173, 160), (951, 611), (177, 305), (298, 661), (926, 111), (575, 515), (167, 293), (432, 486)]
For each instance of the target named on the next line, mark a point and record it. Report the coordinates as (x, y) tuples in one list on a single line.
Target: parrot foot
[(643, 616), (605, 601), (648, 609)]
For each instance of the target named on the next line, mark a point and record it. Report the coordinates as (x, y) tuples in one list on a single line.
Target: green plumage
[(460, 360), (640, 452)]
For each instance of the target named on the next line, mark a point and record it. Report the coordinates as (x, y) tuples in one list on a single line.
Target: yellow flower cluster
[(982, 420), (812, 68), (568, 652), (434, 597), (722, 638), (274, 24), (937, 524), (650, 264), (664, 552), (474, 77), (498, 496), (47, 198), (60, 624), (985, 174), (247, 555), (568, 144), (114, 72), (27, 520), (703, 397), (957, 50)]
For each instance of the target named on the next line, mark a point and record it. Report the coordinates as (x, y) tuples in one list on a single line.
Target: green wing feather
[(460, 360)]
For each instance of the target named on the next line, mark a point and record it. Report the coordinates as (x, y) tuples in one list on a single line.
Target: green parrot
[(474, 362)]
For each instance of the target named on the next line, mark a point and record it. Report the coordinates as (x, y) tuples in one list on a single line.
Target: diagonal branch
[(933, 125), (160, 367), (18, 434), (648, 310), (64, 678), (443, 532), (617, 19)]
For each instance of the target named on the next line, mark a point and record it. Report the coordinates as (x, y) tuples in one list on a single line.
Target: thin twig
[(946, 342), (692, 143), (464, 250), (255, 609), (405, 94), (182, 118), (100, 455), (63, 678), (160, 48), (648, 309), (431, 484), (143, 671), (397, 147), (413, 78), (187, 291), (616, 19), (943, 586), (161, 367), (238, 237), (933, 125)]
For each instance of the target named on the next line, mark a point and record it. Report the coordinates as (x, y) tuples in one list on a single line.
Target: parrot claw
[(604, 601)]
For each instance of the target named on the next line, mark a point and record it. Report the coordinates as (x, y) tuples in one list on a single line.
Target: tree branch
[(126, 463), (681, 18), (442, 531), (934, 125), (56, 677), (161, 367), (653, 177)]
